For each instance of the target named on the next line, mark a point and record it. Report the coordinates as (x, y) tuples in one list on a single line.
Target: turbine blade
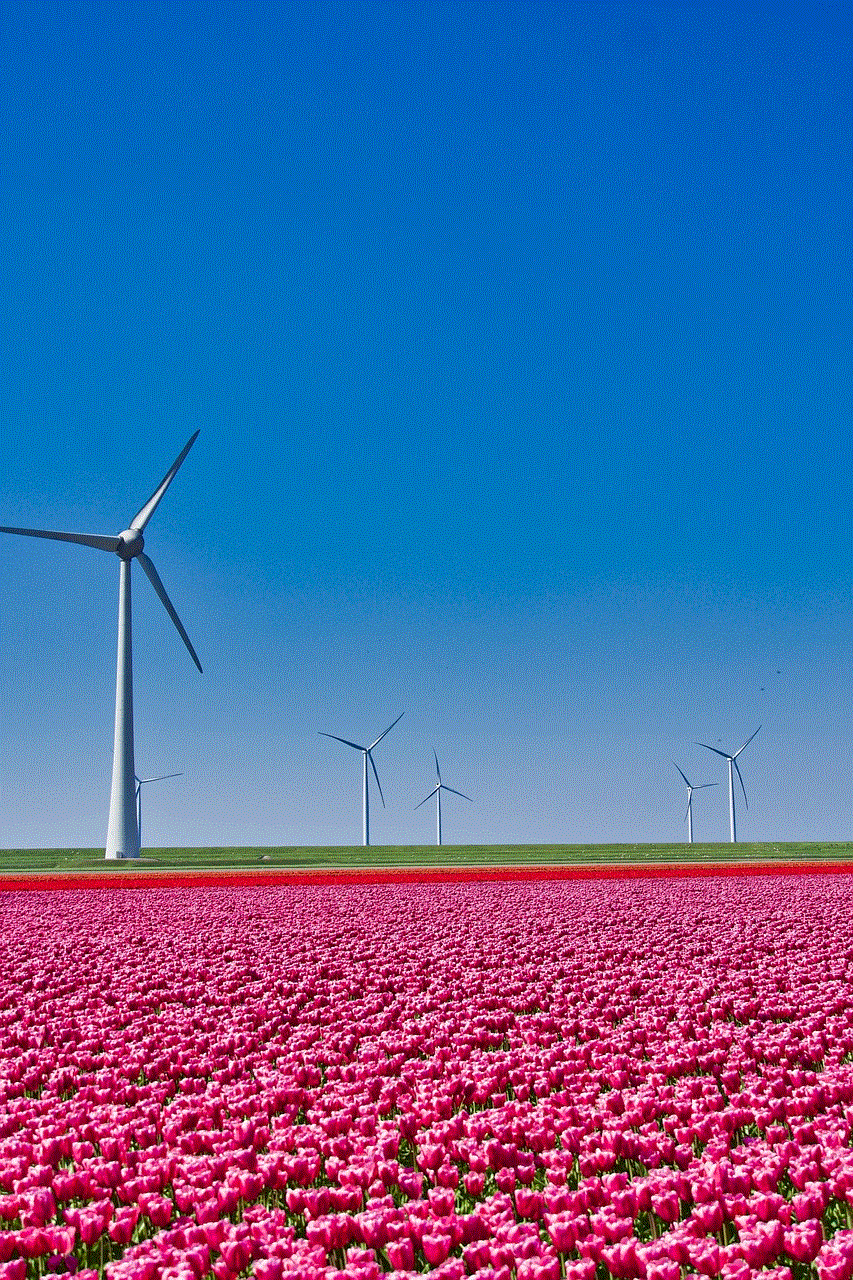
[(346, 741), (724, 754), (429, 797), (688, 784), (456, 793), (437, 770), (388, 730), (703, 785), (154, 578), (142, 516), (376, 776), (85, 539), (687, 814), (742, 787), (161, 778), (746, 744)]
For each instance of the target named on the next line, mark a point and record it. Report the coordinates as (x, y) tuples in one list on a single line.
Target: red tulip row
[(626, 1079)]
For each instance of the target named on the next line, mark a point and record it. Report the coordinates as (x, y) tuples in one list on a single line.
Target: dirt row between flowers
[(237, 878)]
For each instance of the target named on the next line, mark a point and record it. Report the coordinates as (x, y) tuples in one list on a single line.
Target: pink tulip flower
[(804, 1240), (583, 1270)]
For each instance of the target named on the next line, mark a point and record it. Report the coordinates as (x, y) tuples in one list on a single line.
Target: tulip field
[(529, 1079)]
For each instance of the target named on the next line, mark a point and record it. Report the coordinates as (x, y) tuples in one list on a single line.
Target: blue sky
[(518, 336)]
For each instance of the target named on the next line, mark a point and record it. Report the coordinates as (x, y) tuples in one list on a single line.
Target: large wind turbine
[(690, 790), (436, 791), (140, 783), (367, 756), (732, 759), (123, 826)]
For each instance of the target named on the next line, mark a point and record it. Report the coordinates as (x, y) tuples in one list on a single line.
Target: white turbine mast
[(140, 783), (436, 791), (366, 752), (123, 825), (732, 759), (690, 789)]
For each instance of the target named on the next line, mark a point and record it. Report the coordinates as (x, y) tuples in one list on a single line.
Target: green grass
[(52, 860)]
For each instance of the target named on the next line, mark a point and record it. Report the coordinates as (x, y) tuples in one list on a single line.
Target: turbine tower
[(366, 751), (436, 791), (123, 826), (140, 783), (732, 761), (690, 790)]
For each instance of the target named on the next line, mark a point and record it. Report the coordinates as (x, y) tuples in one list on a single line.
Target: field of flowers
[(629, 1078)]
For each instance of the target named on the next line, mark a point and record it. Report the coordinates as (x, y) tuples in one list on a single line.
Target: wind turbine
[(436, 791), (366, 751), (690, 790), (140, 783), (123, 825), (732, 759)]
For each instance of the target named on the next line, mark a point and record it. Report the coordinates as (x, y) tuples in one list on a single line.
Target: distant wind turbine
[(436, 791), (366, 751), (123, 826), (732, 759), (140, 783), (690, 790)]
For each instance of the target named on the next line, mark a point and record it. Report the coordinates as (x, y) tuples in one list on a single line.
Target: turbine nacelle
[(130, 543)]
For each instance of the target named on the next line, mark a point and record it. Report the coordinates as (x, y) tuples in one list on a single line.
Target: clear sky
[(519, 340)]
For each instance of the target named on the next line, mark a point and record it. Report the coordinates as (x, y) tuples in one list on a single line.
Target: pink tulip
[(92, 1223), (663, 1269), (538, 1269), (705, 1257), (529, 1204), (667, 1206), (362, 1263), (804, 1240), (563, 1230), (61, 1239), (811, 1202), (269, 1269), (158, 1209), (762, 1243), (442, 1201), (736, 1269), (708, 1216), (401, 1254), (41, 1207), (583, 1270), (237, 1254), (317, 1202), (610, 1228), (411, 1183), (430, 1156), (621, 1259), (625, 1202), (121, 1229), (33, 1242)]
